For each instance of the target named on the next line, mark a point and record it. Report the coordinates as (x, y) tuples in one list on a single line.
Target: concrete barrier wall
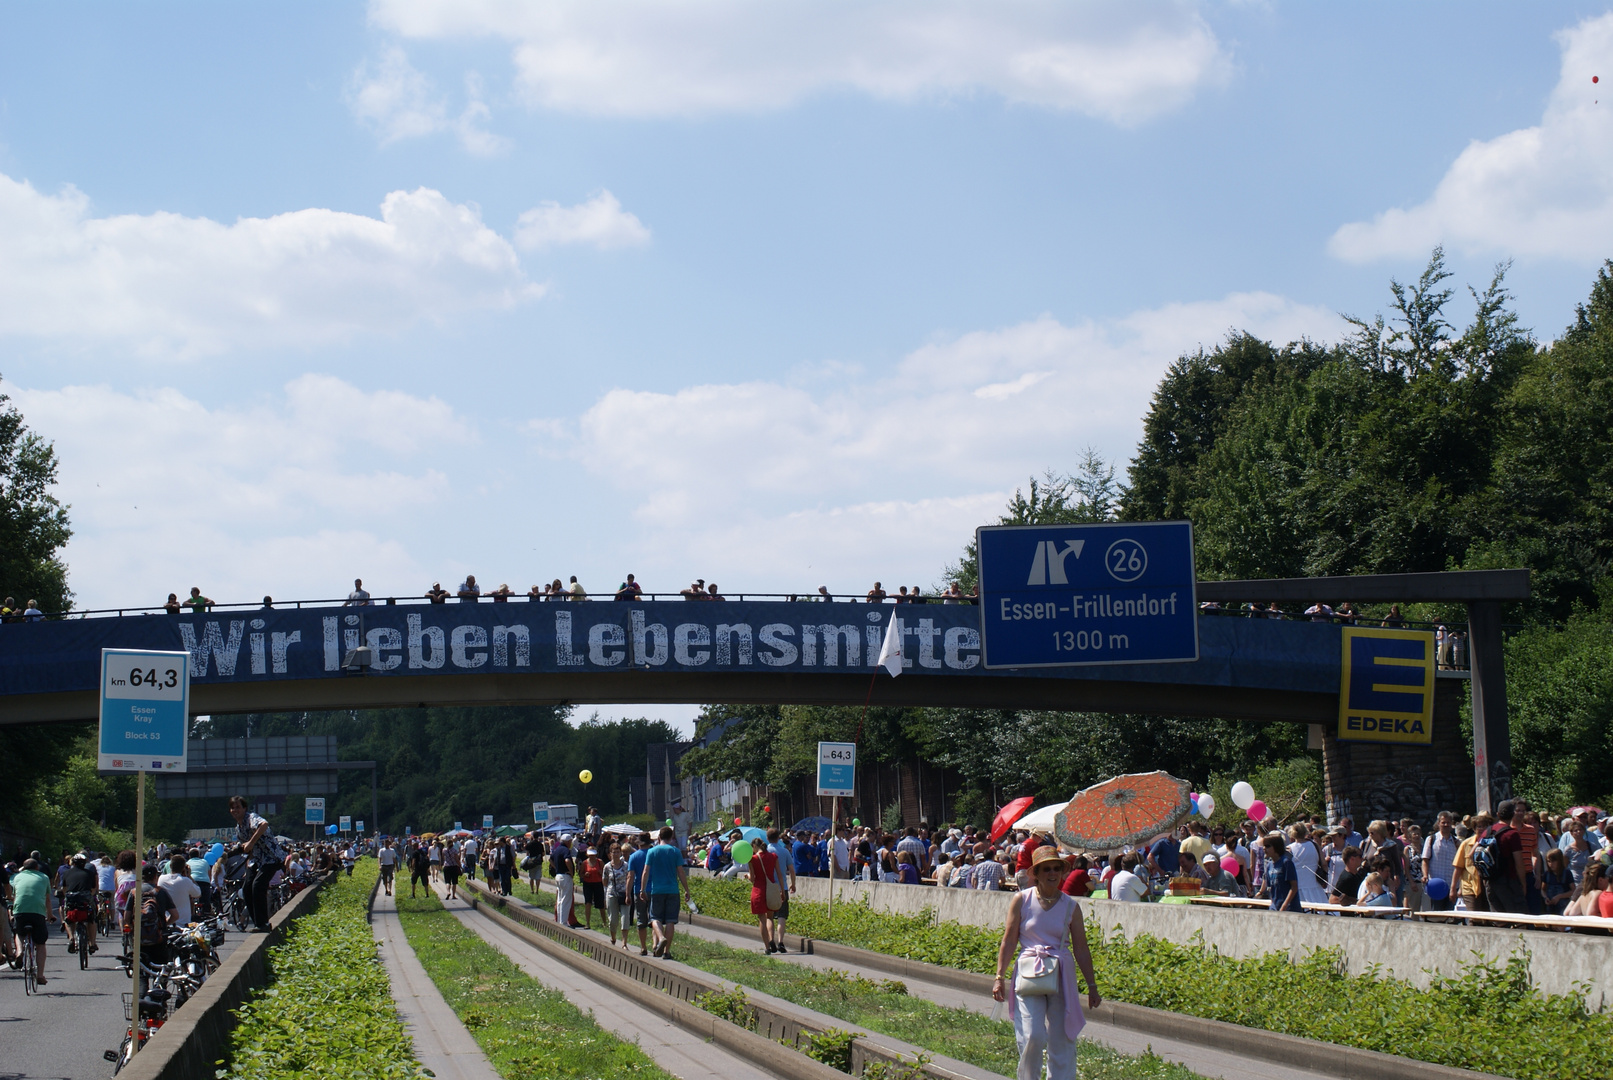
[(1406, 949)]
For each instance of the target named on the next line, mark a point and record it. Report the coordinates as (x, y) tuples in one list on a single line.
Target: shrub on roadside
[(1490, 1017)]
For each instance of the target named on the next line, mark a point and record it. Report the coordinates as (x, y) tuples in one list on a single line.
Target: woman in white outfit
[(1040, 986), (1307, 861)]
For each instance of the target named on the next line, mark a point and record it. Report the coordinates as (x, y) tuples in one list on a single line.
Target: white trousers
[(564, 887), (1039, 1029)]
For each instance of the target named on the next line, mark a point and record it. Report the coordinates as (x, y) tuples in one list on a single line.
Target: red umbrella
[(1007, 816)]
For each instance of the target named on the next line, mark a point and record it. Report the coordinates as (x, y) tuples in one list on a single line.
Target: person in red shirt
[(763, 869), (593, 887), (1079, 880)]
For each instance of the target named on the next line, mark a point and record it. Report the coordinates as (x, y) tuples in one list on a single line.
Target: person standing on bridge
[(358, 597), (1044, 924), (197, 602), (469, 591)]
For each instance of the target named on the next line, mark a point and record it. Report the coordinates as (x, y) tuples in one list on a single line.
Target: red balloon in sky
[(1596, 78)]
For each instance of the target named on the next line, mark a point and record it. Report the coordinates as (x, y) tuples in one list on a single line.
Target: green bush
[(1489, 1018), (832, 1047), (730, 1005), (328, 1009)]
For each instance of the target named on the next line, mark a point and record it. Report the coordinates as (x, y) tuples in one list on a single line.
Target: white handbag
[(1036, 974)]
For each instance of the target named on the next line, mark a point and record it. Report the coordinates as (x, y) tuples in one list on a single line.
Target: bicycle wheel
[(125, 1054), (81, 932), (29, 969)]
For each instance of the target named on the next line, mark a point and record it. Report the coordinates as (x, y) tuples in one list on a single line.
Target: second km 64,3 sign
[(1068, 595)]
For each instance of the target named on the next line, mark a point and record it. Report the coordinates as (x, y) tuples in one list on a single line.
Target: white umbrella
[(623, 829), (1040, 819)]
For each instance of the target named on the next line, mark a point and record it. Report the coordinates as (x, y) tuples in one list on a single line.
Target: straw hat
[(1044, 854)]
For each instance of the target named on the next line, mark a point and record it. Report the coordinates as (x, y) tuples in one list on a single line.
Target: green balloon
[(742, 852), (856, 821), (669, 821)]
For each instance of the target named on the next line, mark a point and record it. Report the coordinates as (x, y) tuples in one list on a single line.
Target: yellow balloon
[(585, 776)]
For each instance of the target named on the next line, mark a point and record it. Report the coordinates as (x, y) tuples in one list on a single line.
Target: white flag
[(890, 653)]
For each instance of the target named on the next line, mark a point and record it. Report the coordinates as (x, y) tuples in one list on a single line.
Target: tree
[(1088, 495), (33, 524), (740, 745)]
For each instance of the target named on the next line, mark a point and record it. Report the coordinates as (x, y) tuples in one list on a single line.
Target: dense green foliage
[(884, 1005), (1560, 695), (327, 1010), (441, 765), (1490, 1019), (33, 523), (527, 1031)]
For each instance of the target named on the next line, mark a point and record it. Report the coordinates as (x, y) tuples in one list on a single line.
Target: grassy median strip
[(328, 1008), (525, 1029), (1490, 1018), (884, 1005)]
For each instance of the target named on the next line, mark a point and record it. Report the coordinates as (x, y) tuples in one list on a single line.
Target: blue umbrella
[(753, 834)]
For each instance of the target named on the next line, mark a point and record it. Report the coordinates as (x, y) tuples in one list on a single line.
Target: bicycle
[(30, 965), (153, 1014)]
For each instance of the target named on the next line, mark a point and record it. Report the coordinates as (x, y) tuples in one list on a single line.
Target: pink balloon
[(1257, 811)]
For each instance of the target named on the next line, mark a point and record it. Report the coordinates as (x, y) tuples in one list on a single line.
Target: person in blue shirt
[(1165, 857), (1282, 876), (779, 844), (663, 873), (641, 904), (806, 858)]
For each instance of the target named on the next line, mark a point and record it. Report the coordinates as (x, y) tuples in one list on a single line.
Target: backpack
[(1487, 856)]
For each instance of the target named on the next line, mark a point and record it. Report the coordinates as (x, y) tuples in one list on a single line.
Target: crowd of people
[(1514, 861), (178, 885)]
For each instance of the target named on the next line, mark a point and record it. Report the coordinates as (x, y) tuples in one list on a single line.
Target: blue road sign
[(487, 821), (1074, 595), (837, 769), (145, 710), (313, 811)]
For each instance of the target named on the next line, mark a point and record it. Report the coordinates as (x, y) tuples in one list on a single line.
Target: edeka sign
[(1386, 687)]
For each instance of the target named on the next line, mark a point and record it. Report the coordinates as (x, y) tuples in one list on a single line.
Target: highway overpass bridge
[(519, 652)]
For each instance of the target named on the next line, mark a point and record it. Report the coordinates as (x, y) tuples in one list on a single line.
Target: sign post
[(837, 776), (360, 826), (487, 821), (1078, 595), (313, 814), (145, 717), (345, 823), (540, 813)]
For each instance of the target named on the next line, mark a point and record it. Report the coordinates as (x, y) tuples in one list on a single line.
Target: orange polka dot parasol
[(1123, 812)]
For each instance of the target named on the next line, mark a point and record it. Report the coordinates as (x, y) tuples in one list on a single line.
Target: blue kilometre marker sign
[(145, 710), (1069, 595)]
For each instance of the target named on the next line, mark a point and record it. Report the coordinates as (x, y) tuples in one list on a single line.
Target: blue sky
[(776, 295)]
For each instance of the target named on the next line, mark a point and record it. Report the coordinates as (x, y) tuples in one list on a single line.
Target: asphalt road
[(61, 1032)]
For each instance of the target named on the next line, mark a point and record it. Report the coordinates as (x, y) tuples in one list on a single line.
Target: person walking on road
[(419, 870), (387, 857), (664, 873), (1045, 925)]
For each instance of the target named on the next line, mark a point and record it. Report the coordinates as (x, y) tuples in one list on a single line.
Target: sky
[(777, 295)]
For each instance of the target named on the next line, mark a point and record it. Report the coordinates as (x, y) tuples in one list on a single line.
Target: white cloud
[(1120, 62), (600, 222), (398, 102), (1545, 190), (163, 284), (779, 476), (288, 495)]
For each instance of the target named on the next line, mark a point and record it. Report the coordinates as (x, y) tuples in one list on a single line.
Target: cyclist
[(34, 909), (80, 885), (156, 913), (264, 858), (181, 888), (106, 874), (201, 873), (10, 947)]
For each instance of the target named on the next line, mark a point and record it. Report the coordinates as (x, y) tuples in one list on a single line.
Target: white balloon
[(1243, 796), (1206, 804)]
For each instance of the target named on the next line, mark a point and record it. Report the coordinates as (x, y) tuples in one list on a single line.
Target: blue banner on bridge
[(560, 637)]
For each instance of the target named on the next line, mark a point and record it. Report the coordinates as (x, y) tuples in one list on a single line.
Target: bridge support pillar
[(1369, 780), (1492, 740)]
